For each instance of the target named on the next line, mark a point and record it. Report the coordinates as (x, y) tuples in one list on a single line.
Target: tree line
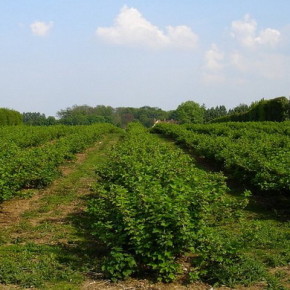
[(187, 112)]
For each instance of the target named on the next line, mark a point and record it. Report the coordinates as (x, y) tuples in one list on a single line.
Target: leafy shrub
[(152, 205), (254, 153), (32, 161)]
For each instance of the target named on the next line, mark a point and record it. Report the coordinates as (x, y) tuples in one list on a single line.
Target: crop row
[(152, 205), (32, 136), (258, 154), (238, 129), (35, 167)]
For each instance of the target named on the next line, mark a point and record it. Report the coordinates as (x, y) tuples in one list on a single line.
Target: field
[(174, 207)]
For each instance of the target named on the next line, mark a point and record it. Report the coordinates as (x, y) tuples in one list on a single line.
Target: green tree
[(146, 115), (85, 115), (124, 115), (50, 120), (241, 108), (190, 112), (38, 119), (214, 112)]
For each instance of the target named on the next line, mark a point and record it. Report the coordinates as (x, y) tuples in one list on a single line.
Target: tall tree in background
[(146, 115), (86, 115), (38, 119), (241, 108), (214, 112), (190, 112), (123, 116)]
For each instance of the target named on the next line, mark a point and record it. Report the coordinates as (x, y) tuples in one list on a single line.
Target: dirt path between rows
[(11, 211)]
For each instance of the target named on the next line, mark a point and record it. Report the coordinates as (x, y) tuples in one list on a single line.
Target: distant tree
[(190, 112), (172, 115), (214, 112), (146, 115), (241, 108), (85, 115), (37, 119), (106, 112), (50, 120), (123, 116), (34, 118)]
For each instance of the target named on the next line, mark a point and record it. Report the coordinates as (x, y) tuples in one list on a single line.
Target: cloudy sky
[(57, 53)]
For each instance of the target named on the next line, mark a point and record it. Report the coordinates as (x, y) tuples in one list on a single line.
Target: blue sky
[(58, 53)]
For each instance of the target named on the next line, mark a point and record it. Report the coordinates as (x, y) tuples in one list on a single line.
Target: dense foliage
[(9, 117), (255, 153), (190, 112), (38, 119), (85, 115), (152, 206), (271, 110), (30, 156), (214, 112)]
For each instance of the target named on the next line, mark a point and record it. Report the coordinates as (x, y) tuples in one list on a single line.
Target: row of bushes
[(37, 166), (153, 210), (259, 159)]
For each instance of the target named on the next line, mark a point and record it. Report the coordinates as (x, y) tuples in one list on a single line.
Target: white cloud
[(269, 36), (255, 64), (268, 66), (212, 71), (40, 28), (245, 32), (214, 58), (131, 28), (239, 61), (182, 37)]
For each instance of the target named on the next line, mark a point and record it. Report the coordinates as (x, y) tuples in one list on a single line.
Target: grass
[(30, 265), (264, 243)]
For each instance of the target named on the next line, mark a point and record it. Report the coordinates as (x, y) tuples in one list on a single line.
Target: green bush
[(152, 205), (257, 154), (33, 160), (10, 117)]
